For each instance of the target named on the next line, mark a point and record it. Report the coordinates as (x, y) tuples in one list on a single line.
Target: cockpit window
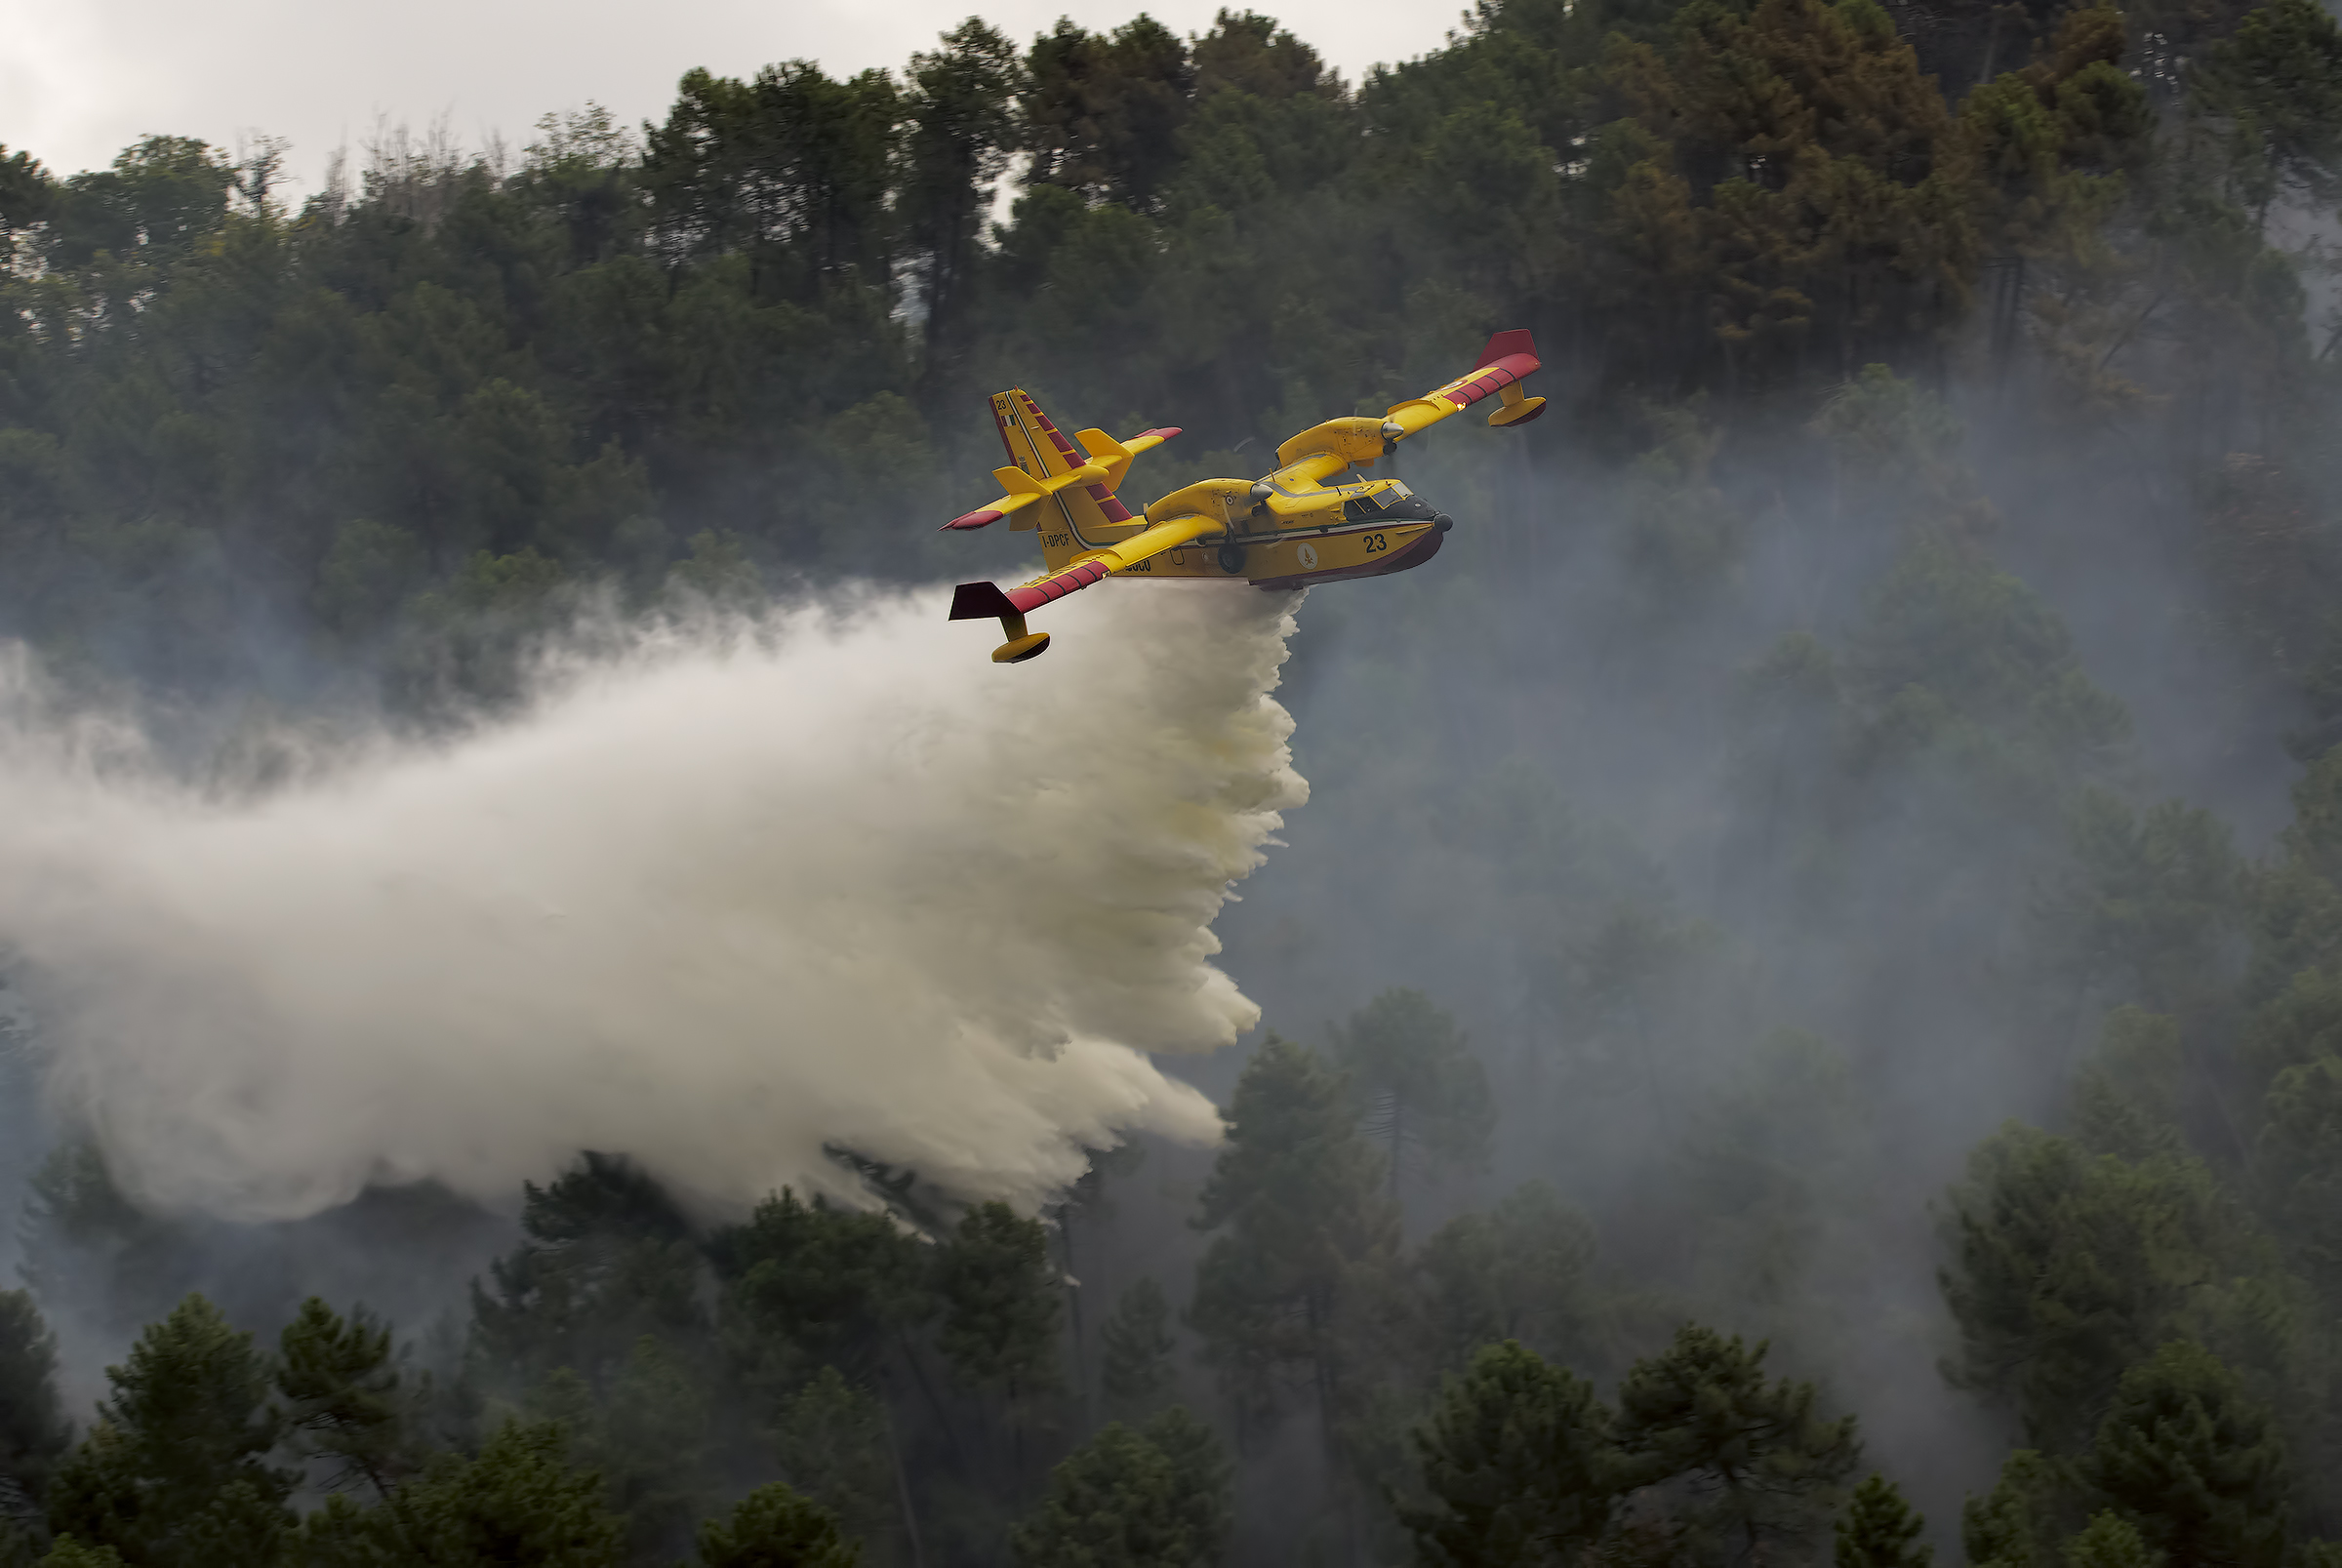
[(1362, 508)]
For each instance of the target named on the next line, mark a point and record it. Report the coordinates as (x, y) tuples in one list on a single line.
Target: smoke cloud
[(717, 904)]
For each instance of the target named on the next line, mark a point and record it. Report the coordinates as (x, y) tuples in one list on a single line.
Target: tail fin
[(1074, 519)]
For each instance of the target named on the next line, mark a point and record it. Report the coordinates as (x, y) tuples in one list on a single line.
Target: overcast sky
[(79, 81)]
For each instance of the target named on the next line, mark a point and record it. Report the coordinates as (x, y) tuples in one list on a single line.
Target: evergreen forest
[(1804, 1014)]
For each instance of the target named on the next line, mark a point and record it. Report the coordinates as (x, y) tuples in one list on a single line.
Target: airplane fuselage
[(1282, 530)]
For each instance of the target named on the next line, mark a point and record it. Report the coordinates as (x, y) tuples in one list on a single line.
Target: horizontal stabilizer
[(980, 601)]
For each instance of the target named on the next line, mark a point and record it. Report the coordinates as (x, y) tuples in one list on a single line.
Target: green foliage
[(2069, 1268), (2192, 1462), (2127, 1095), (774, 1527), (648, 1436), (1517, 1457), (811, 1280), (1877, 1529), (340, 1385), (366, 573), (608, 1260), (2298, 1167), (1001, 1302), (832, 1443), (1702, 1414), (177, 1462), (1137, 1343), (1762, 1159), (2278, 85), (1419, 1085), (2109, 1540), (2144, 910), (1948, 623), (1102, 113), (1514, 1273), (34, 1434), (519, 1503), (2018, 1523), (1152, 1497), (1309, 1233)]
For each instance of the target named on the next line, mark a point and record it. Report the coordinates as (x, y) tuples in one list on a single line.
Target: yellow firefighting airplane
[(1310, 521)]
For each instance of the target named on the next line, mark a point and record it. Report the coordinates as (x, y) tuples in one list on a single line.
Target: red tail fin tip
[(1504, 343)]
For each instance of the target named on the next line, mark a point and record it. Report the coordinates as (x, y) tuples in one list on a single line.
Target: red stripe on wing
[(1035, 594), (1493, 378)]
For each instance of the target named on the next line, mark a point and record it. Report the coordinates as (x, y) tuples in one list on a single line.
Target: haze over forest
[(560, 1014)]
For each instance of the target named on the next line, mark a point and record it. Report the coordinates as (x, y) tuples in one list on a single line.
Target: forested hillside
[(1809, 989)]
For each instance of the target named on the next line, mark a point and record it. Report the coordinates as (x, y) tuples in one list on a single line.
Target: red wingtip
[(975, 519), (1515, 341), (1166, 432)]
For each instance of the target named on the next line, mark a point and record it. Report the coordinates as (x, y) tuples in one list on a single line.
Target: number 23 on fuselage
[(1313, 519)]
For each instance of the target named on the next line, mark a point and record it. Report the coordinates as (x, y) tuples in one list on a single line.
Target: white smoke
[(845, 883)]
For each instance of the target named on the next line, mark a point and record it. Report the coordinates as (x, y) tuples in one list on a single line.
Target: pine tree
[(961, 129), (1421, 1090), (2018, 1523), (1138, 1346), (33, 1431), (1877, 1529), (1153, 1497), (774, 1527), (2109, 1540), (2070, 1268), (520, 1504), (1702, 1414), (829, 1285), (1517, 1271), (2277, 84), (2196, 1467), (1517, 1455), (832, 1443), (340, 1382), (179, 1451), (1001, 1302), (609, 1257), (1309, 1235)]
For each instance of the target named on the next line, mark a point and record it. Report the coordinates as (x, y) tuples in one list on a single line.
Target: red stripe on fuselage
[(1064, 447)]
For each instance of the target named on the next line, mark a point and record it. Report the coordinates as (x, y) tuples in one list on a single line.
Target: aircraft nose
[(1444, 522)]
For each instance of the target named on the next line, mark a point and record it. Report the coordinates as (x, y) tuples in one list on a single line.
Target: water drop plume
[(714, 904)]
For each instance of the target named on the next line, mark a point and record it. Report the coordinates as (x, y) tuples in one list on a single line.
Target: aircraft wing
[(1509, 358), (1109, 460), (1335, 445), (973, 601)]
